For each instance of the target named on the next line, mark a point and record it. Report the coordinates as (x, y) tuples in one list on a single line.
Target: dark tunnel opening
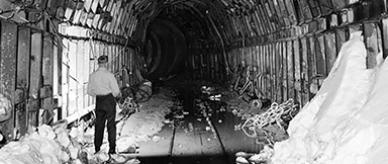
[(178, 32), (165, 50)]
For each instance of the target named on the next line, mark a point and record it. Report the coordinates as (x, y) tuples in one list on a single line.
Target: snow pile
[(142, 125), (41, 147), (346, 120)]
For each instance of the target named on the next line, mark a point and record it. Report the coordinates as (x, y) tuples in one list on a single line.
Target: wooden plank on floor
[(233, 141), (210, 144), (185, 142), (159, 148)]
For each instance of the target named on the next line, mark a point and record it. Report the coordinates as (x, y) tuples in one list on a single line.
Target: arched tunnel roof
[(229, 20)]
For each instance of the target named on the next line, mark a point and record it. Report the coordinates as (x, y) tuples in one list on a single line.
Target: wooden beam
[(297, 71), (23, 69), (285, 71), (18, 17), (94, 6), (46, 92), (385, 37), (88, 5), (304, 71), (8, 71), (371, 43), (330, 50), (320, 55), (35, 77), (83, 18)]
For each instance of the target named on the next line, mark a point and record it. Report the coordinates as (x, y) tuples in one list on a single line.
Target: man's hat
[(102, 59)]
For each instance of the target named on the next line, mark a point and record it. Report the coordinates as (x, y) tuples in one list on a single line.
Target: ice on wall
[(346, 122)]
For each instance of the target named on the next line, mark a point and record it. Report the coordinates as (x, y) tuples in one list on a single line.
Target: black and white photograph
[(193, 82)]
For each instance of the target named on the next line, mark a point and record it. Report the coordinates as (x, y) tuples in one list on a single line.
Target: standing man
[(103, 85)]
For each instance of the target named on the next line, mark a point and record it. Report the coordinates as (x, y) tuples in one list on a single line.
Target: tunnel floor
[(191, 141)]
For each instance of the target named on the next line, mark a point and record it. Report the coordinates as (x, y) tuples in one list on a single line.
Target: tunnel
[(199, 81), (165, 49)]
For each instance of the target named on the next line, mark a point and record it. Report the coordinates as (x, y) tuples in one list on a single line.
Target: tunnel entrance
[(165, 49)]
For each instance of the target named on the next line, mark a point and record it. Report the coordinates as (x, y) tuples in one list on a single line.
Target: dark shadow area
[(205, 159), (165, 50)]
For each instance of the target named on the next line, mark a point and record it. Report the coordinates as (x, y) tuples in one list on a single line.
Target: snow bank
[(149, 120), (40, 147), (346, 121)]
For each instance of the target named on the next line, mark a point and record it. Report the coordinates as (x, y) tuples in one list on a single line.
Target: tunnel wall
[(45, 62), (296, 58), (79, 60)]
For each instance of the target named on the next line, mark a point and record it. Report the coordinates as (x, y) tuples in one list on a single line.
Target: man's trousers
[(105, 111)]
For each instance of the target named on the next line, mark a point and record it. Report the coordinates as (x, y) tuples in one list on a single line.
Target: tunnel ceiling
[(227, 21)]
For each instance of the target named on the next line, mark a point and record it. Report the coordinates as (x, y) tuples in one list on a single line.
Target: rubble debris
[(126, 145), (237, 127), (156, 138), (101, 157), (116, 158), (206, 108), (241, 160), (133, 161), (176, 112), (207, 90), (256, 104), (127, 107), (167, 121), (139, 93), (143, 92), (243, 154), (263, 157), (191, 127), (274, 115), (36, 148)]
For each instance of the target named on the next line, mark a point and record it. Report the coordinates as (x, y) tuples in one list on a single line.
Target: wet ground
[(190, 141)]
